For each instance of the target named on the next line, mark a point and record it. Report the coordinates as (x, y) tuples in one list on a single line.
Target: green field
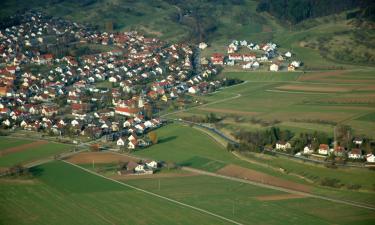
[(222, 196), (30, 154), (63, 194), (59, 189)]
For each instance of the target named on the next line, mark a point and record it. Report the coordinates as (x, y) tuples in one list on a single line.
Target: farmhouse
[(308, 150), (120, 142), (323, 149), (355, 153)]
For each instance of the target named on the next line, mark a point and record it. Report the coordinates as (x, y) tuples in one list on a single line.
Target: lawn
[(236, 200), (63, 194), (32, 153)]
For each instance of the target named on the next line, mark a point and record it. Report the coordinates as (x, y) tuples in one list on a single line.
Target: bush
[(331, 182), (353, 186)]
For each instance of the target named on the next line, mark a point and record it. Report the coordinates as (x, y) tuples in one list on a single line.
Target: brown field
[(315, 76), (279, 197), (99, 157), (248, 174), (309, 88), (21, 148), (229, 111)]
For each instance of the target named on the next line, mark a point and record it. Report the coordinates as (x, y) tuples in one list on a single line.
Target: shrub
[(331, 182)]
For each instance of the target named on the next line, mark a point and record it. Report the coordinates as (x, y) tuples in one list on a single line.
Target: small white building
[(370, 158), (202, 45), (120, 142), (193, 90), (281, 145), (308, 150), (274, 67), (323, 149), (288, 54), (152, 164)]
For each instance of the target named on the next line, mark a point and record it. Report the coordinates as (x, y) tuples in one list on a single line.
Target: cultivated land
[(20, 151)]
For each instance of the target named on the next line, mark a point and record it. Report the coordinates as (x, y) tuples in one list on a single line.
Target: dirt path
[(249, 174), (21, 148), (279, 197), (99, 157)]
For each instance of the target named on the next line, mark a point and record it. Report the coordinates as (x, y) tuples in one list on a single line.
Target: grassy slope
[(62, 194), (31, 154), (11, 142)]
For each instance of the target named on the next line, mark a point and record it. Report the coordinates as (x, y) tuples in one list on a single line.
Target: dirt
[(252, 175), (315, 76), (99, 157), (17, 181), (322, 88), (279, 197), (21, 148), (229, 111)]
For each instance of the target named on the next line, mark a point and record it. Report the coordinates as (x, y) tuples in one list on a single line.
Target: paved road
[(355, 204)]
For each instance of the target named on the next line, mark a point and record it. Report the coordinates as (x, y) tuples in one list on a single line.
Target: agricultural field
[(250, 204), (301, 102), (20, 151), (59, 189)]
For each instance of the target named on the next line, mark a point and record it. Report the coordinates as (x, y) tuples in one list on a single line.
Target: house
[(339, 151), (217, 59), (202, 45), (132, 144), (248, 57), (120, 142), (274, 67), (288, 54), (282, 145), (152, 164), (140, 168), (358, 141), (308, 150), (370, 158), (355, 153), (193, 90), (291, 67), (323, 149), (235, 57)]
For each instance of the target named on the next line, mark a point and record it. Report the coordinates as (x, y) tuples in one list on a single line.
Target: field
[(301, 102), (20, 151), (57, 190)]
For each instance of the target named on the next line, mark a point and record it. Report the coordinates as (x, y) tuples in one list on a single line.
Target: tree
[(153, 137)]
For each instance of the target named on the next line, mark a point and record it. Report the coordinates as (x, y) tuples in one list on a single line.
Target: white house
[(140, 168), (193, 90), (288, 54), (282, 145), (358, 141), (308, 150), (323, 149), (274, 67), (355, 153), (152, 164), (370, 158), (120, 142), (202, 45), (132, 144)]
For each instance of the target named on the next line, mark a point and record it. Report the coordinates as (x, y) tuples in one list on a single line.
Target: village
[(113, 95), (247, 55)]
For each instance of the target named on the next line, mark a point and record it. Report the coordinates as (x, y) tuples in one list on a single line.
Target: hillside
[(344, 38)]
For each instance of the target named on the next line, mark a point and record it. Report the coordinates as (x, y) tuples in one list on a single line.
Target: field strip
[(299, 92), (157, 195), (23, 147), (280, 189)]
